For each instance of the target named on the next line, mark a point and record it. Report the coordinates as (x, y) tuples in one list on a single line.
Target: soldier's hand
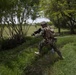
[(33, 34)]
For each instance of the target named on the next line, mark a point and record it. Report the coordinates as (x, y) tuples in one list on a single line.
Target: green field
[(31, 29), (23, 61)]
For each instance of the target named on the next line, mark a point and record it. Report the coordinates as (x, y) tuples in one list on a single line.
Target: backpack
[(49, 33)]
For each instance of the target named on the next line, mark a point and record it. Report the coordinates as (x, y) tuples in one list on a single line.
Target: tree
[(19, 9), (61, 12), (70, 13), (5, 5)]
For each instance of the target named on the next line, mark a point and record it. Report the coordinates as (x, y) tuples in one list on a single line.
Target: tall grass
[(14, 61)]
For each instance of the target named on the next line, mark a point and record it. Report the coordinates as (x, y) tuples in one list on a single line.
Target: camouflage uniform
[(47, 41)]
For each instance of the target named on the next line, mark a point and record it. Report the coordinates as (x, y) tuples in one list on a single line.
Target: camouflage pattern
[(52, 44), (49, 39)]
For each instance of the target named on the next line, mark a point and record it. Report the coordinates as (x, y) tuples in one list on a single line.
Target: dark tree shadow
[(40, 64), (66, 33)]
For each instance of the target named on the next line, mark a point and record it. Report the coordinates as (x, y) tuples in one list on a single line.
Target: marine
[(49, 38)]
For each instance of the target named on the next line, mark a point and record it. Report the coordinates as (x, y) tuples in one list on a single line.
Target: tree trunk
[(59, 29), (72, 27), (72, 31)]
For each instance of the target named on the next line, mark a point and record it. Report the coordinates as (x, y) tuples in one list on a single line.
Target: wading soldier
[(48, 38)]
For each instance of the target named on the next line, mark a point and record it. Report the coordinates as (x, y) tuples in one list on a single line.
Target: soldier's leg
[(41, 44), (53, 45)]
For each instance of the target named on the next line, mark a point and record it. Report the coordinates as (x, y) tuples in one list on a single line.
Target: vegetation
[(14, 14), (22, 60), (17, 46), (14, 61), (61, 12)]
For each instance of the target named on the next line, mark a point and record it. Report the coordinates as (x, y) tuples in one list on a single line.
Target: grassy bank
[(66, 66), (16, 61), (49, 64)]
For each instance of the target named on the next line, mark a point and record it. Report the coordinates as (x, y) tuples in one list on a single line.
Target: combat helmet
[(43, 24)]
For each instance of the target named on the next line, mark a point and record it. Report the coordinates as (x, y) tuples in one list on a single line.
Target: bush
[(11, 43)]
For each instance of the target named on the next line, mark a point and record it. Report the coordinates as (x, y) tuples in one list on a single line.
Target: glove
[(33, 34)]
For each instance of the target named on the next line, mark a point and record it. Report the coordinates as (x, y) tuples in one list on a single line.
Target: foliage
[(14, 14), (16, 61), (66, 66), (61, 12), (49, 64), (7, 44)]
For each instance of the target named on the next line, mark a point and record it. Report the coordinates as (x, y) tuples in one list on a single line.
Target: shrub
[(11, 43)]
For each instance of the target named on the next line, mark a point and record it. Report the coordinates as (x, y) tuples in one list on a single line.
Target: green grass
[(31, 30), (22, 60), (14, 61), (49, 63), (66, 66)]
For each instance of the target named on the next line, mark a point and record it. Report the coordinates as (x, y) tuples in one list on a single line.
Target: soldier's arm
[(38, 31)]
